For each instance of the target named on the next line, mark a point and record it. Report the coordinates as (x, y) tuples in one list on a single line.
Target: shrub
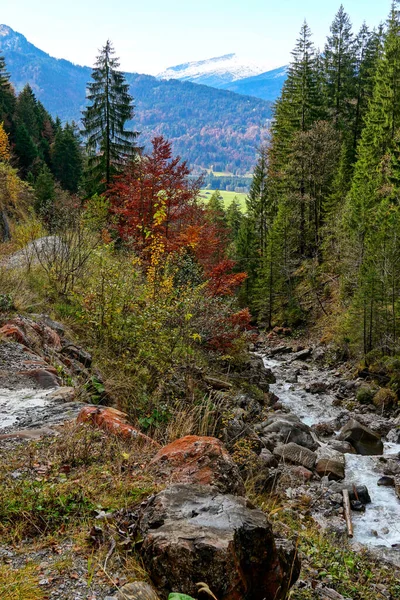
[(365, 394), (385, 398)]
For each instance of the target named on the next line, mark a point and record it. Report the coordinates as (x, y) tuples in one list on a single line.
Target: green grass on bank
[(227, 197)]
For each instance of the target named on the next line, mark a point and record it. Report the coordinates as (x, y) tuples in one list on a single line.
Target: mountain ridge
[(211, 128)]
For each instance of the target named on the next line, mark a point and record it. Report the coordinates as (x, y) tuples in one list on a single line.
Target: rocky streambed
[(314, 395)]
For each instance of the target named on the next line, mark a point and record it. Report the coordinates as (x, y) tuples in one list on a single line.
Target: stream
[(379, 526)]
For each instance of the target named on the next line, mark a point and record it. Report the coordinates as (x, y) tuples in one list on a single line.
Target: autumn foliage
[(155, 201)]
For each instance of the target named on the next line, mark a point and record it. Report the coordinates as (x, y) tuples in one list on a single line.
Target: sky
[(151, 36)]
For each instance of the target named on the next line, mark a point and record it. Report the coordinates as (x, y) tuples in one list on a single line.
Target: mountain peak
[(215, 71)]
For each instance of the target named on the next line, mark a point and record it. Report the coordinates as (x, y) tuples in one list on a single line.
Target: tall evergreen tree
[(109, 144), (340, 69), (7, 96), (259, 201), (67, 160)]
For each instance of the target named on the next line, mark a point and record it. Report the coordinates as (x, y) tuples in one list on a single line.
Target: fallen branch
[(347, 512)]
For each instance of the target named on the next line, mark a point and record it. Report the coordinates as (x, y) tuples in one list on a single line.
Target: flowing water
[(380, 524)]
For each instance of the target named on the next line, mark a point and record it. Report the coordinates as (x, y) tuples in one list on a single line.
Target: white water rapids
[(380, 524)]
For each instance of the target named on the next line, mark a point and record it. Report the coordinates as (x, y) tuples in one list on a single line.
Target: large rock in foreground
[(330, 463), (200, 460), (364, 440), (193, 533)]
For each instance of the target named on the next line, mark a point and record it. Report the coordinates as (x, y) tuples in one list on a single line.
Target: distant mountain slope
[(266, 86), (230, 73), (210, 128), (216, 72)]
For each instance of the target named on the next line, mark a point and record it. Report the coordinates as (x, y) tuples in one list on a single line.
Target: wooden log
[(347, 512)]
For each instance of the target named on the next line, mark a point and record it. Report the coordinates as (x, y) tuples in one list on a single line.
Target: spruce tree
[(67, 160), (259, 202), (234, 217), (45, 197), (109, 144), (340, 69), (7, 96), (25, 149)]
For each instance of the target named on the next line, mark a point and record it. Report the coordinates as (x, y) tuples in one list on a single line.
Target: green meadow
[(227, 197)]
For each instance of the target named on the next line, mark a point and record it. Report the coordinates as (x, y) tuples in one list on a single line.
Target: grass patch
[(60, 483), (228, 197), (21, 584)]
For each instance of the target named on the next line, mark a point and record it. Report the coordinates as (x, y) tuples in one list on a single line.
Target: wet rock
[(386, 481), (199, 460), (138, 590), (45, 378), (363, 439), (323, 429), (392, 467), (286, 428), (301, 355), (330, 462), (254, 372), (340, 446), (192, 533), (317, 387), (279, 350), (356, 492), (336, 499), (393, 436), (113, 421), (357, 506), (295, 454)]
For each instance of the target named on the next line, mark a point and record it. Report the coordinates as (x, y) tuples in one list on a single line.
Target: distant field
[(227, 197)]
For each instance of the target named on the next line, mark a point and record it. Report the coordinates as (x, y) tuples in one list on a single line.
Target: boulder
[(192, 533), (63, 394), (386, 481), (356, 492), (254, 372), (199, 460), (317, 387), (113, 421), (295, 454), (363, 439), (330, 462), (77, 353), (283, 429)]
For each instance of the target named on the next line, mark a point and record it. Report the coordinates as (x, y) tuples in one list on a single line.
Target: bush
[(365, 394), (385, 398)]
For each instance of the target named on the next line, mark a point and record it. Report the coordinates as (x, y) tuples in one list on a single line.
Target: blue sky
[(150, 36)]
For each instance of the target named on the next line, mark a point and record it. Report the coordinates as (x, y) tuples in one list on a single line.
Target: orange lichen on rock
[(201, 460), (112, 420)]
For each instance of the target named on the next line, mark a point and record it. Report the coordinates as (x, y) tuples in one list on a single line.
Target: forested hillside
[(320, 241), (211, 128)]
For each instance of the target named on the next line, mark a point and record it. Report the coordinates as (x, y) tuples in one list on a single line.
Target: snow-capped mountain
[(215, 72), (229, 72)]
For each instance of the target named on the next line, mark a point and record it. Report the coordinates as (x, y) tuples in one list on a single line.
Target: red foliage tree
[(155, 197)]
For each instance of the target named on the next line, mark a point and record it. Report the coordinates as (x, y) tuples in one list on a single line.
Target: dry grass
[(21, 584)]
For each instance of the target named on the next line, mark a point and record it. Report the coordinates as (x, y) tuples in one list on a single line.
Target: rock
[(340, 446), (356, 492), (357, 506), (77, 353), (267, 458), (295, 454), (363, 439), (324, 593), (301, 355), (386, 481), (336, 499), (392, 467), (113, 421), (45, 378), (138, 590), (317, 387), (63, 394), (199, 460), (289, 562), (254, 372), (236, 429), (286, 428), (279, 350), (330, 462), (192, 533), (323, 429), (300, 473)]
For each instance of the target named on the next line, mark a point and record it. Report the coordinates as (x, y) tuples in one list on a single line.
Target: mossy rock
[(365, 394), (385, 398)]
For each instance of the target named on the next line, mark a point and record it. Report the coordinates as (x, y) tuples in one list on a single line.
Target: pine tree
[(108, 143), (67, 160), (234, 217), (7, 96), (259, 202), (340, 69), (25, 150)]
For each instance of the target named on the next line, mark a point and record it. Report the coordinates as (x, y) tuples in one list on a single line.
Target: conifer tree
[(67, 160), (25, 149), (109, 144), (234, 217), (7, 96), (259, 201), (340, 65)]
